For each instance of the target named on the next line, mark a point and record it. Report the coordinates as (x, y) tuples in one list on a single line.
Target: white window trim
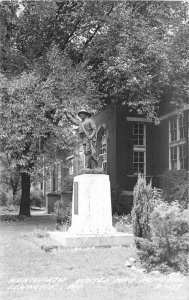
[(69, 157), (103, 155), (175, 143), (141, 148), (139, 120), (173, 113)]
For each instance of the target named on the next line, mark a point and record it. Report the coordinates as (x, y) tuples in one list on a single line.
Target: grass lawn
[(28, 272)]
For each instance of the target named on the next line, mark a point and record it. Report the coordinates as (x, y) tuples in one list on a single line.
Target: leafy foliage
[(9, 178), (167, 249), (175, 185), (135, 51), (36, 198), (139, 65), (91, 53), (122, 223), (145, 198), (3, 198), (12, 218), (63, 215), (161, 230), (33, 109), (68, 184)]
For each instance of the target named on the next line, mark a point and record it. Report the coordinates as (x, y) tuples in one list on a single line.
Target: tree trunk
[(25, 197)]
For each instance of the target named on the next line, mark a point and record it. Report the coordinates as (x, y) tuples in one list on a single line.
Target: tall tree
[(32, 112), (70, 53), (143, 54)]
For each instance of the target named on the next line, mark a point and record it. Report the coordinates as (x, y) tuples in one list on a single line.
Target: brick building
[(129, 144)]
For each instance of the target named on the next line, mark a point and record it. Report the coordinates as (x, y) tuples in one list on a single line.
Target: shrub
[(169, 244), (3, 199), (62, 214), (11, 218), (6, 198), (122, 223), (68, 184), (145, 199), (36, 198), (175, 185)]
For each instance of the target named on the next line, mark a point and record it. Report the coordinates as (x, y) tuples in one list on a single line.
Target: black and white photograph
[(94, 150)]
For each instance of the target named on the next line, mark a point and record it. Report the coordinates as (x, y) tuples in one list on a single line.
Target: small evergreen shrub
[(145, 198), (62, 215), (167, 249)]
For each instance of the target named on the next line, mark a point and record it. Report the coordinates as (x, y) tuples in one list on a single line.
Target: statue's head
[(83, 113)]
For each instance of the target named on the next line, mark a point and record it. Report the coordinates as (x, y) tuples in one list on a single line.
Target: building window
[(182, 157), (102, 147), (177, 142), (138, 134), (139, 148), (182, 127), (138, 162), (173, 129), (173, 158), (103, 152)]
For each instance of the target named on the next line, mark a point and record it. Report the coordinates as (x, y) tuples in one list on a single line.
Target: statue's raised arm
[(72, 119)]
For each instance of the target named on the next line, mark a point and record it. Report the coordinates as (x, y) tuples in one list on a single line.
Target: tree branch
[(98, 27), (72, 32)]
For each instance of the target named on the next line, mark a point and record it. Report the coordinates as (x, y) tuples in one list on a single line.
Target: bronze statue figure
[(87, 135)]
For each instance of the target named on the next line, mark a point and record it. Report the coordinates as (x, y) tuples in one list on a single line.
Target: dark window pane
[(141, 129), (141, 155), (135, 129), (141, 140), (136, 140)]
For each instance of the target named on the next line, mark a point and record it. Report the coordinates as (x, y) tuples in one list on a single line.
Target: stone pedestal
[(91, 205), (92, 216)]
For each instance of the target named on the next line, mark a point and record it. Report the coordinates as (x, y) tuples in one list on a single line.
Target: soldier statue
[(87, 135)]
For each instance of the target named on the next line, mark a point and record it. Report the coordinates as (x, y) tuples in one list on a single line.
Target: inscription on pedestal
[(76, 198)]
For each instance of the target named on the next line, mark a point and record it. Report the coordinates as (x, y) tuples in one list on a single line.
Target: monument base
[(91, 205), (92, 216), (68, 240)]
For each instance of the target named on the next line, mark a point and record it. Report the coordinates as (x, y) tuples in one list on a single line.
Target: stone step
[(68, 240)]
